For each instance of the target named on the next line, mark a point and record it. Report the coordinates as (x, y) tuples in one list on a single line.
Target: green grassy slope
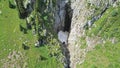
[(9, 29), (11, 39), (106, 55)]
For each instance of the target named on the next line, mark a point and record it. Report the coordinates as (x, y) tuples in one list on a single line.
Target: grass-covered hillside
[(13, 54), (107, 54)]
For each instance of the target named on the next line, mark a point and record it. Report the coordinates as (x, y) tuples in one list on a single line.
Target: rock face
[(82, 10), (63, 15), (59, 15), (77, 31)]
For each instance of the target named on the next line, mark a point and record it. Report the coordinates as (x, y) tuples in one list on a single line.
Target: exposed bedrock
[(72, 16)]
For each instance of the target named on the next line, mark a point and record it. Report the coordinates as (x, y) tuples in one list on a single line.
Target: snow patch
[(63, 36)]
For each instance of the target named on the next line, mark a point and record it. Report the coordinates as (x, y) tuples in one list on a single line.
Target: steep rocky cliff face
[(84, 14)]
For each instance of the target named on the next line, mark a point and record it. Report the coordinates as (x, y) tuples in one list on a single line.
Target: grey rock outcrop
[(80, 16), (60, 15)]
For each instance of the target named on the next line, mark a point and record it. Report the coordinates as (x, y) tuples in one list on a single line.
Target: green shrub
[(114, 13), (12, 4)]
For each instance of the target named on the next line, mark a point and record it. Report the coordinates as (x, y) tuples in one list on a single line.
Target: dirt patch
[(15, 59)]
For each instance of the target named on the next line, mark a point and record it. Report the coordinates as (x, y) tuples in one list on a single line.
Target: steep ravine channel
[(62, 26), (65, 52)]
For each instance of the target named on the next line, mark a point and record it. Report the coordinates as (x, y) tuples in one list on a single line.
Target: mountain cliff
[(86, 27), (60, 33)]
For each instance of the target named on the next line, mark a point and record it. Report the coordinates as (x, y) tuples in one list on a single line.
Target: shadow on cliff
[(67, 27)]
